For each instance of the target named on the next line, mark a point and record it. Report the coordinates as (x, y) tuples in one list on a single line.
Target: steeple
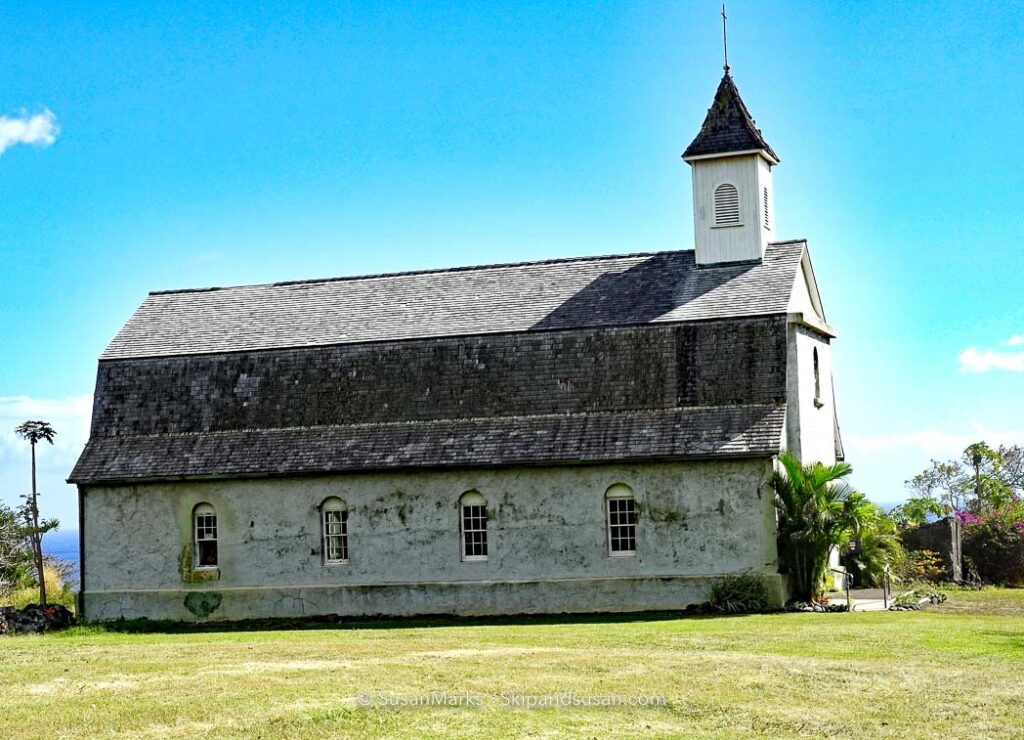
[(728, 128), (733, 198)]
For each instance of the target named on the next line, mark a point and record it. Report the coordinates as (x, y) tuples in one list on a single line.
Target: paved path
[(864, 599)]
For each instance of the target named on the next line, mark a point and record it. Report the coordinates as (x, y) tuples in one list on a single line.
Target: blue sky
[(214, 144)]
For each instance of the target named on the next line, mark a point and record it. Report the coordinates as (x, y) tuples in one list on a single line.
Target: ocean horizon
[(63, 545)]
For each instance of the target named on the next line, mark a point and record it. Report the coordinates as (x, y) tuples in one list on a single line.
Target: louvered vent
[(767, 225), (727, 205)]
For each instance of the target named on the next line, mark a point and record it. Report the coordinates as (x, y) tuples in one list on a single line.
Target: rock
[(816, 607), (34, 619), (805, 606)]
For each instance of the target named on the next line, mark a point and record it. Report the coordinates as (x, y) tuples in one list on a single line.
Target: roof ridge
[(429, 271)]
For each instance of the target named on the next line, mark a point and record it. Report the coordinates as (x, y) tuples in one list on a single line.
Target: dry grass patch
[(951, 670)]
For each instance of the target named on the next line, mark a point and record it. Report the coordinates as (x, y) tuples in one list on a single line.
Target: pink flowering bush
[(993, 543)]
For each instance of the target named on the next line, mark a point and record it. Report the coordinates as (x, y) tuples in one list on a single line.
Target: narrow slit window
[(204, 553), (727, 205), (473, 509), (621, 511), (817, 377), (335, 531)]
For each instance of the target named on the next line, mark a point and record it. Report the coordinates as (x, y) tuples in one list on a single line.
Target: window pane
[(207, 553), (622, 525), (206, 527), (335, 535), (474, 530)]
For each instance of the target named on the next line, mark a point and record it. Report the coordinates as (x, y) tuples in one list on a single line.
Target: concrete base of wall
[(474, 598)]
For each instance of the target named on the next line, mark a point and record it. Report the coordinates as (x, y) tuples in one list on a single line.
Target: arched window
[(334, 529), (473, 516), (767, 224), (204, 536), (621, 510), (727, 205)]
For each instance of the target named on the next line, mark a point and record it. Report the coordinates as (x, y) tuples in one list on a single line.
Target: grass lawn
[(954, 670)]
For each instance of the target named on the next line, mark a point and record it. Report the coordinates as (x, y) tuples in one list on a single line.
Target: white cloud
[(70, 417), (929, 441), (932, 441), (973, 360), (881, 463), (1015, 341), (40, 129)]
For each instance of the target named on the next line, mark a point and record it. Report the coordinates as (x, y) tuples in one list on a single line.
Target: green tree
[(818, 511), (877, 546), (981, 480), (917, 510), (15, 557), (943, 482), (35, 432), (1012, 471), (985, 467)]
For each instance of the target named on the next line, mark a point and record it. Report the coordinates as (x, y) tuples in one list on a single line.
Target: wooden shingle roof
[(728, 127), (529, 440), (557, 294), (623, 358)]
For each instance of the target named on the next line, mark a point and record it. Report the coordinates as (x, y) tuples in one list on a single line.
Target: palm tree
[(818, 510), (34, 432), (877, 547)]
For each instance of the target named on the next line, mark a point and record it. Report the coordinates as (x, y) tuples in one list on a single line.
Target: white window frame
[(334, 528), (614, 527), (203, 530), (474, 504)]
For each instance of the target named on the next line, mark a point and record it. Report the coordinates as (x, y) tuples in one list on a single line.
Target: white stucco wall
[(547, 542), (800, 300), (810, 418)]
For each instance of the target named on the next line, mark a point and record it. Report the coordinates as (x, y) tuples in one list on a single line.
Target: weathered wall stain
[(202, 603), (190, 574)]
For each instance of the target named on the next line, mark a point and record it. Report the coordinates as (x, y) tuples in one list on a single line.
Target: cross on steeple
[(725, 40)]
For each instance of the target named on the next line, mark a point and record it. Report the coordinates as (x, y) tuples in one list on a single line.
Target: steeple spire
[(728, 127)]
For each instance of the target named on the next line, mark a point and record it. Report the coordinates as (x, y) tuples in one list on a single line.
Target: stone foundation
[(481, 598)]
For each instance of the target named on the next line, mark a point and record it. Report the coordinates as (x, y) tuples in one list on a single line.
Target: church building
[(593, 434)]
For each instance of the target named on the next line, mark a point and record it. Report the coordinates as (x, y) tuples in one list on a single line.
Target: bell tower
[(733, 199)]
